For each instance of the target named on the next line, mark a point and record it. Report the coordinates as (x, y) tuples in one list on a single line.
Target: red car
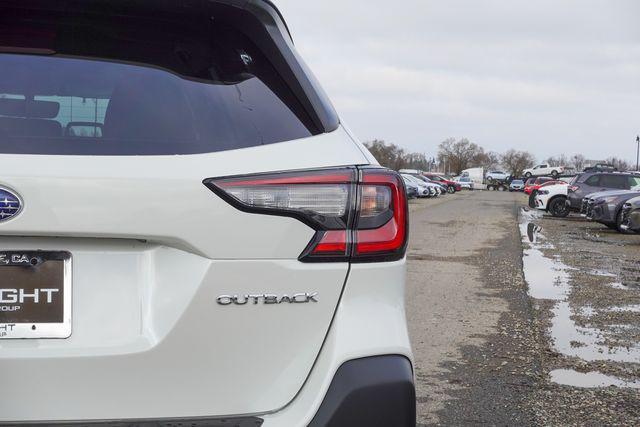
[(452, 186), (535, 183)]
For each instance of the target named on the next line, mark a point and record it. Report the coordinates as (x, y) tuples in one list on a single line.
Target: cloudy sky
[(544, 76)]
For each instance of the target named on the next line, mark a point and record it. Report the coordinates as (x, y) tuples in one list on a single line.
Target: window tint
[(593, 181), (615, 181), (131, 86), (634, 183)]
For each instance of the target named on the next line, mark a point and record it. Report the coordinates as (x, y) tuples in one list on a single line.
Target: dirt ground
[(559, 348)]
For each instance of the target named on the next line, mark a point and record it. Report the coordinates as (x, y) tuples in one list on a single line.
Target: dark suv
[(592, 182), (607, 207)]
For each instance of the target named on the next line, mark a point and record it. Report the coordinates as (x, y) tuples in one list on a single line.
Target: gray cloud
[(545, 76)]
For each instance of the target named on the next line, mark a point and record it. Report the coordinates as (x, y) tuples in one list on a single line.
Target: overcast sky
[(544, 76)]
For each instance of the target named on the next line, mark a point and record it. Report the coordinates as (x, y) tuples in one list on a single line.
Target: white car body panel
[(543, 170), (542, 200), (160, 270), (369, 321), (497, 175), (476, 175), (83, 196)]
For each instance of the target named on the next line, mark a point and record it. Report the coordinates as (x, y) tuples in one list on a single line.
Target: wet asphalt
[(500, 341)]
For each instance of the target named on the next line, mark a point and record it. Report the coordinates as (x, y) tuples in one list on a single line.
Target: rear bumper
[(375, 391), (369, 321), (372, 391)]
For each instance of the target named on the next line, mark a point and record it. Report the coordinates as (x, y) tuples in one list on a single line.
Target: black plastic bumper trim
[(374, 391), (166, 422)]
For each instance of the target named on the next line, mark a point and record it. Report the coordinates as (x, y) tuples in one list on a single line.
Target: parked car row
[(609, 198), (426, 184), (417, 188)]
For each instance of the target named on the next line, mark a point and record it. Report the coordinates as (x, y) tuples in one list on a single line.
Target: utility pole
[(638, 154)]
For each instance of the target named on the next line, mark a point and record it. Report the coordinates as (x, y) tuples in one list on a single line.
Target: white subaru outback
[(188, 235)]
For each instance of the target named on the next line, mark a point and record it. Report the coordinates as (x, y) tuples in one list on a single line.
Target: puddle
[(602, 273), (571, 339), (548, 278), (589, 379), (626, 308), (618, 285), (588, 311)]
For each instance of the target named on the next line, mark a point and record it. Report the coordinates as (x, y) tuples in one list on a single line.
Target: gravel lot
[(560, 348)]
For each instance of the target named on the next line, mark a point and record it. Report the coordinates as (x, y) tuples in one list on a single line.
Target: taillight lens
[(359, 215), (382, 220), (573, 188)]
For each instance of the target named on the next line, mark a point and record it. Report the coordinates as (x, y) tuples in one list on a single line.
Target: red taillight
[(573, 188), (359, 215), (382, 232), (331, 242)]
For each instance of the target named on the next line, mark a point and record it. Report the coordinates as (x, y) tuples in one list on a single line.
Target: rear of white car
[(187, 232)]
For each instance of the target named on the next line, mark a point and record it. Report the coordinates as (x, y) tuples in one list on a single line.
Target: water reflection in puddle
[(589, 379), (548, 278)]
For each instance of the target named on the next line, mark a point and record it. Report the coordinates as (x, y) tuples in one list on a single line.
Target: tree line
[(454, 156)]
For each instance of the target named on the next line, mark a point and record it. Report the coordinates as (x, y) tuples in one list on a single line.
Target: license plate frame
[(60, 327)]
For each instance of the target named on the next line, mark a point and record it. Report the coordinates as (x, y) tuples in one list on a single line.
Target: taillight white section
[(358, 215), (327, 200)]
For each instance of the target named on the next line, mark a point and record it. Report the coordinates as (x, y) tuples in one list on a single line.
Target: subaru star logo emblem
[(10, 204)]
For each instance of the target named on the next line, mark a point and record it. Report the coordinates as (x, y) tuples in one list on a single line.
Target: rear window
[(91, 84)]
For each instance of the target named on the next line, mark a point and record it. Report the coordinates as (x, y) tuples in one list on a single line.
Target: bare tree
[(517, 161), (578, 161), (561, 160), (462, 154), (620, 164), (485, 159), (394, 157), (388, 155)]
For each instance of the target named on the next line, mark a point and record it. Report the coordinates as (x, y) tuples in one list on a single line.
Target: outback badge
[(301, 298)]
